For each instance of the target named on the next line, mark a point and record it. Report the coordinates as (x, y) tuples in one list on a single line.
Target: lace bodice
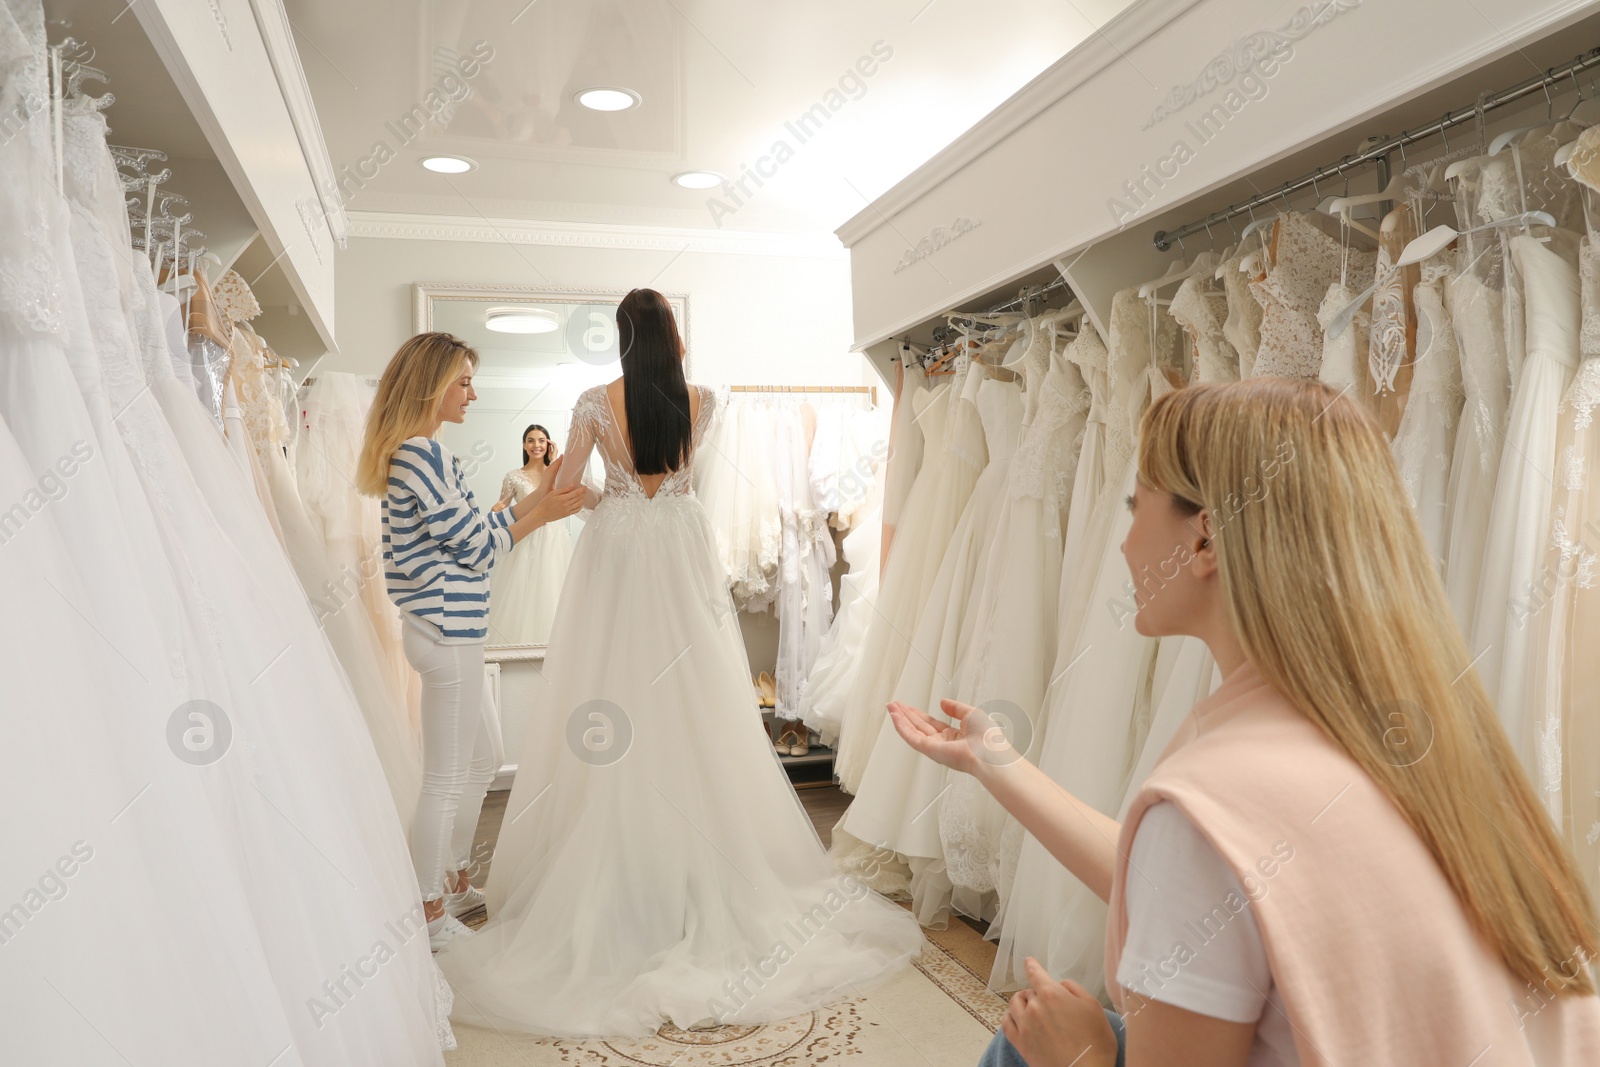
[(517, 484), (594, 422), (1200, 307), (1136, 344), (1305, 262)]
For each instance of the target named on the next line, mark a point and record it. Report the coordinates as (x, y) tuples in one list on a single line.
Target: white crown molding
[(416, 227), (278, 37), (1105, 46)]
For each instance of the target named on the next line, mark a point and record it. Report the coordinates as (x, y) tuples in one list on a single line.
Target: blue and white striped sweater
[(438, 549)]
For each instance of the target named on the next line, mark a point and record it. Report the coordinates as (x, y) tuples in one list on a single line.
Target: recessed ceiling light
[(521, 320), (607, 99), (449, 164), (699, 179)]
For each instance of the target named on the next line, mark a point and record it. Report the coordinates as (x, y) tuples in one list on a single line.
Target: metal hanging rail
[(1543, 82)]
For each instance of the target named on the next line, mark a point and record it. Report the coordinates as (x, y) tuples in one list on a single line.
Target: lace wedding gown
[(899, 788), (1305, 262), (527, 586), (1513, 588), (655, 865), (190, 599)]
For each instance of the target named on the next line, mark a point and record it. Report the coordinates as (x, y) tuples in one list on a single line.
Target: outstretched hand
[(974, 736)]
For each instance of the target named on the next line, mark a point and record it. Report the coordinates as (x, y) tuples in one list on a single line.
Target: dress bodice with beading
[(595, 423), (1305, 262)]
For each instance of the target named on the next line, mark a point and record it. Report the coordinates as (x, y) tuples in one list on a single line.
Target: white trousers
[(458, 760)]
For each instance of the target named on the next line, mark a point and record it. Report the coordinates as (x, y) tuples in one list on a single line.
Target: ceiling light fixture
[(521, 320), (604, 98), (449, 164), (699, 179)]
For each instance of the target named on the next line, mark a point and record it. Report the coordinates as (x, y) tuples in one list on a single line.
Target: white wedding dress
[(954, 455), (742, 509), (527, 585), (1099, 704), (1520, 520), (655, 865), (334, 417), (1007, 663), (188, 597), (1562, 728), (895, 806), (1477, 300), (1426, 439)]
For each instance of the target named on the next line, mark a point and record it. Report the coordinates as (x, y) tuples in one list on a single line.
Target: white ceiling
[(719, 79)]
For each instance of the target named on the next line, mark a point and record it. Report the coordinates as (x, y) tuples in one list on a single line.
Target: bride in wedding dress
[(655, 866)]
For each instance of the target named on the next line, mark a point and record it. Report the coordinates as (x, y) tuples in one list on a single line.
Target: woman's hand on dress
[(1058, 1024), (499, 505), (559, 504), (974, 739)]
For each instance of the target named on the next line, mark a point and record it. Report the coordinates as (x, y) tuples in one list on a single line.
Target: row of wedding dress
[(175, 700), (1470, 361)]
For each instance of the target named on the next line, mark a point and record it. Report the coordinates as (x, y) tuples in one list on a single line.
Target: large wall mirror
[(537, 350)]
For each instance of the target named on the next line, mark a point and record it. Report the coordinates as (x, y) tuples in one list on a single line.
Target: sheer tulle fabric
[(653, 856)]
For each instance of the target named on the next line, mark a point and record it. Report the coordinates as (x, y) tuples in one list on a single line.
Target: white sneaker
[(444, 930), (465, 902)]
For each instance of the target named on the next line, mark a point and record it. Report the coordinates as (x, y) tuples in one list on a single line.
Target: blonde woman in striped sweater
[(438, 551)]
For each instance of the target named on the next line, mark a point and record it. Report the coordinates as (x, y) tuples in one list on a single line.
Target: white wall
[(753, 319)]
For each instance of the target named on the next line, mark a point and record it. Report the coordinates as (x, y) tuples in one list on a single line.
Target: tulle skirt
[(526, 586), (655, 864)]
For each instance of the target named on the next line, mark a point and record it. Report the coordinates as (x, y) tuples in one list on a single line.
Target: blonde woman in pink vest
[(1337, 860)]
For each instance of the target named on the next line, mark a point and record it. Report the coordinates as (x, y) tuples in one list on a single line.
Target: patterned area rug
[(936, 1012)]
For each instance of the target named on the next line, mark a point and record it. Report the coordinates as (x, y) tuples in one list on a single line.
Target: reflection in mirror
[(537, 350)]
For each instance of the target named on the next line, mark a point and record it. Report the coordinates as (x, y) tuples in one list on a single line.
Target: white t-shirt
[(1192, 937)]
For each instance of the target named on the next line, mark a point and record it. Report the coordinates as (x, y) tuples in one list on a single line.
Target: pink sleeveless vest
[(1369, 947)]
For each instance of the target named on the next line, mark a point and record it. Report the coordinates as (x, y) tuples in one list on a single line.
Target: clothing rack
[(870, 390), (1541, 83), (1028, 293)]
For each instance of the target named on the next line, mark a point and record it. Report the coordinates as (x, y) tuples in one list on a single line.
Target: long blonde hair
[(1338, 603), (407, 403)]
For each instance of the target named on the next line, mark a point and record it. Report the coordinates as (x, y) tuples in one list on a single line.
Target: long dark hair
[(653, 386), (549, 447)]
